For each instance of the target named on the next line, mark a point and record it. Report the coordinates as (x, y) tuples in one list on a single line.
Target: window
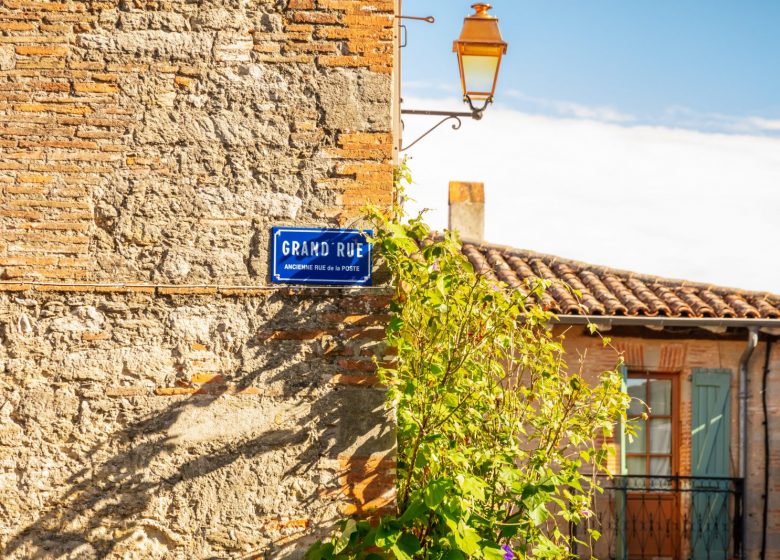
[(652, 451)]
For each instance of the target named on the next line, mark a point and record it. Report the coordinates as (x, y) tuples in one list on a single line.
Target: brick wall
[(680, 355), (157, 398)]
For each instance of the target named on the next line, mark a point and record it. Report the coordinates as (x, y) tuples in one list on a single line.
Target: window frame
[(674, 417)]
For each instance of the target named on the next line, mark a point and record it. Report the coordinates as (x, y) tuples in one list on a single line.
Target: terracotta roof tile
[(655, 305), (479, 262), (606, 291), (699, 306), (562, 295), (742, 307), (527, 276), (720, 307), (591, 305), (503, 270), (764, 308), (633, 304), (611, 303), (678, 307)]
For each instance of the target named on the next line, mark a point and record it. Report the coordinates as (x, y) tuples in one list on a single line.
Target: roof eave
[(660, 322)]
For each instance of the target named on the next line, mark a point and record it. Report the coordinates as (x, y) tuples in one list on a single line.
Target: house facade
[(159, 398), (699, 477)]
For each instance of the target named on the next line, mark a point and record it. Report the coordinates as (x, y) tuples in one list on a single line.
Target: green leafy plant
[(499, 440)]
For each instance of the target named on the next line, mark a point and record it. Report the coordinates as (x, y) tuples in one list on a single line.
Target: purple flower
[(508, 554)]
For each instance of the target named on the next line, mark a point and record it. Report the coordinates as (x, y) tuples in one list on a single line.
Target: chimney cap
[(465, 191)]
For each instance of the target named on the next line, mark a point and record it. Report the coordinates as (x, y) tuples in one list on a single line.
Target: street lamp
[(479, 48)]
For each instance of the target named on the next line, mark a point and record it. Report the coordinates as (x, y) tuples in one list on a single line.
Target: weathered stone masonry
[(156, 398), (198, 424)]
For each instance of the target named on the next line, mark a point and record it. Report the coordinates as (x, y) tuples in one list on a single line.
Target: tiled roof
[(607, 291)]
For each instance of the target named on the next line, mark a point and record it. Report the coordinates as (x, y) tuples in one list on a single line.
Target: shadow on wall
[(257, 463)]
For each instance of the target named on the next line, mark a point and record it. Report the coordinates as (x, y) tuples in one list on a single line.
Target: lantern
[(479, 49)]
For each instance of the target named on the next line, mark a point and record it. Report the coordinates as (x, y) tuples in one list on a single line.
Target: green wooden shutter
[(711, 422), (710, 437)]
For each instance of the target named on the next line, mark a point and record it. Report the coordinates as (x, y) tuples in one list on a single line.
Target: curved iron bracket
[(455, 126), (476, 113)]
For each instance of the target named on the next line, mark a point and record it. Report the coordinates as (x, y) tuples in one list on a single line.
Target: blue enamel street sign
[(320, 256)]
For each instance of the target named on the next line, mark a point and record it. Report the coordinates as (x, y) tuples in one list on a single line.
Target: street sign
[(320, 256)]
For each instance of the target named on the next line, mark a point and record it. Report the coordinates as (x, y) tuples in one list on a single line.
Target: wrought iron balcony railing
[(663, 517)]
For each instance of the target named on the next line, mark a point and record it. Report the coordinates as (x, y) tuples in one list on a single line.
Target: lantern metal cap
[(480, 28), (481, 9)]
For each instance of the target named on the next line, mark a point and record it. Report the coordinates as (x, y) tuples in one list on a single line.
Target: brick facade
[(157, 397), (680, 355)]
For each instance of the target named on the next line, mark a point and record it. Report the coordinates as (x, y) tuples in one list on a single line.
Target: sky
[(638, 135)]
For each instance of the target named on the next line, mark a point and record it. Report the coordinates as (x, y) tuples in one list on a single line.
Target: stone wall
[(157, 398), (194, 426)]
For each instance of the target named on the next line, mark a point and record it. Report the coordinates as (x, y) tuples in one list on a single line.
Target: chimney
[(467, 209)]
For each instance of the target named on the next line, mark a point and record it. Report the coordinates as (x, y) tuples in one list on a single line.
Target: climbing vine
[(499, 440)]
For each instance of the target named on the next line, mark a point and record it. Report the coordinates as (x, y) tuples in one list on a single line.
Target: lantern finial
[(481, 9)]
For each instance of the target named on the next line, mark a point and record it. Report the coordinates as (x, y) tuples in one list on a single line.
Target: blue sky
[(643, 135), (704, 64)]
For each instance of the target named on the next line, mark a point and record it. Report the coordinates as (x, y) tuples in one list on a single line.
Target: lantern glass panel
[(479, 67), (479, 75)]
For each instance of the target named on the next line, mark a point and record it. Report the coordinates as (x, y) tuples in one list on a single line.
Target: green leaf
[(406, 547), (469, 540), (395, 324), (493, 553), (319, 551), (415, 510), (472, 486), (343, 542), (387, 534), (435, 493), (539, 514)]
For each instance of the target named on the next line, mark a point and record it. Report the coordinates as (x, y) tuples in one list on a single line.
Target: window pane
[(636, 444), (661, 436), (636, 465), (660, 397), (636, 389), (661, 466)]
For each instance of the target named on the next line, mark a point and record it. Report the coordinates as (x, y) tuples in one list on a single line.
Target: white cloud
[(772, 125), (570, 109), (671, 202), (716, 122)]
